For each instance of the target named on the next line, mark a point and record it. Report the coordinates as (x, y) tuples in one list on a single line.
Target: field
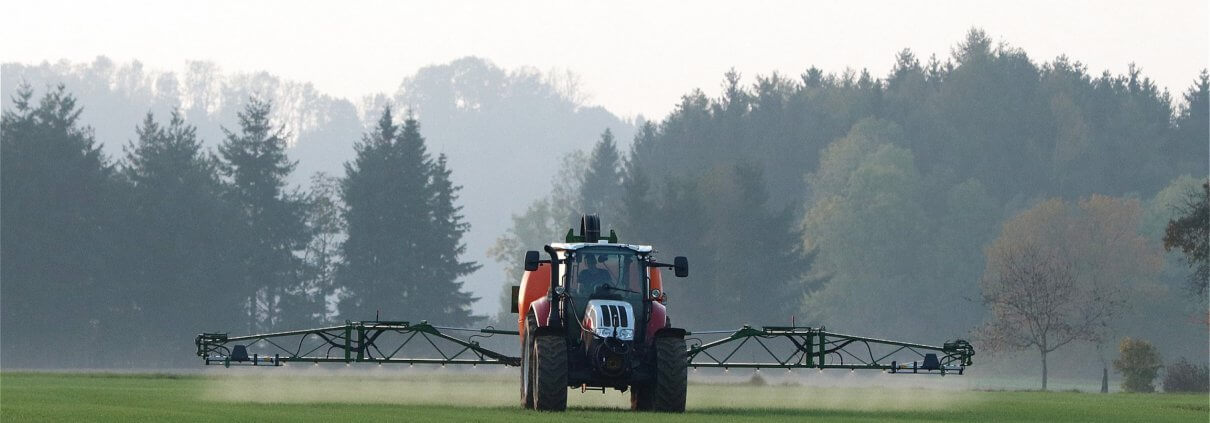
[(460, 396)]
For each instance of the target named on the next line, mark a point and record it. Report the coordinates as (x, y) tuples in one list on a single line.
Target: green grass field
[(456, 397)]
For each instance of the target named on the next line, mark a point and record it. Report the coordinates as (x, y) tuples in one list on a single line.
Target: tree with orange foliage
[(1056, 273)]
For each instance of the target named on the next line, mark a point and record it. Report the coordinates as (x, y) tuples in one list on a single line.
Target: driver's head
[(592, 259)]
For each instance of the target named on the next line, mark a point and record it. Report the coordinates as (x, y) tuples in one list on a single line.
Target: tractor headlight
[(655, 294), (626, 334), (604, 332)]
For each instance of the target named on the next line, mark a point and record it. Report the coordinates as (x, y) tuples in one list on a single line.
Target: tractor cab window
[(605, 274)]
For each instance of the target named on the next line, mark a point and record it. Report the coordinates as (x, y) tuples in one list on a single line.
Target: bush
[(1183, 376), (1139, 363)]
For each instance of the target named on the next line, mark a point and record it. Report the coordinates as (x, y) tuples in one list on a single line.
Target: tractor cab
[(605, 272)]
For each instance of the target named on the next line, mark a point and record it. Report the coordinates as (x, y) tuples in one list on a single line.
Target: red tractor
[(592, 316)]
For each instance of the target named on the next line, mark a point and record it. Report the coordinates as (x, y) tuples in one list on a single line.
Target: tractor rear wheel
[(668, 390), (549, 383)]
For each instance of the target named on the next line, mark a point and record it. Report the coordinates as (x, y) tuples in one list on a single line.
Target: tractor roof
[(578, 245)]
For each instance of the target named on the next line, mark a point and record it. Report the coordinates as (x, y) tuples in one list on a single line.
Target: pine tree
[(384, 191), (181, 221), (256, 166), (1188, 151), (636, 203), (404, 231), (444, 247), (59, 203), (601, 189)]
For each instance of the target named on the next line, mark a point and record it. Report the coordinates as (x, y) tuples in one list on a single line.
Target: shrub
[(1183, 376), (1139, 363)]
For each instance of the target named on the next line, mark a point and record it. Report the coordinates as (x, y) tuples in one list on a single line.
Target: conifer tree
[(181, 222), (254, 162), (59, 203), (404, 231), (601, 189)]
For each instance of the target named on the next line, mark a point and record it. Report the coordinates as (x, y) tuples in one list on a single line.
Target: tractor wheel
[(550, 373), (640, 397), (527, 371), (667, 392)]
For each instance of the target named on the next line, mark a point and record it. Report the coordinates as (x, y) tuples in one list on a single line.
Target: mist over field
[(923, 199)]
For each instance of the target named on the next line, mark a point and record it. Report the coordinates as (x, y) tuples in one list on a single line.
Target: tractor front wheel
[(549, 370), (668, 390)]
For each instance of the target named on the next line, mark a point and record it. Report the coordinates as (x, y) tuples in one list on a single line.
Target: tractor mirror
[(680, 265), (531, 260)]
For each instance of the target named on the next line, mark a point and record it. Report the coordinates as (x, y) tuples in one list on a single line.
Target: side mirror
[(680, 265), (531, 260)]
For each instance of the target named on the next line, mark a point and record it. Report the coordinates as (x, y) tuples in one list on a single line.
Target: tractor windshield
[(605, 273)]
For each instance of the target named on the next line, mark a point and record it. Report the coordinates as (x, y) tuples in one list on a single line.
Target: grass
[(436, 396)]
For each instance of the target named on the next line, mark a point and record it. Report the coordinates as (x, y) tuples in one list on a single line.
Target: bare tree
[(569, 85), (1060, 273), (1037, 302)]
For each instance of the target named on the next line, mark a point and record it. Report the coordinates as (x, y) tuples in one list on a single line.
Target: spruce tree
[(184, 280), (444, 247), (601, 189), (386, 204), (404, 231), (636, 202), (273, 220), (59, 203)]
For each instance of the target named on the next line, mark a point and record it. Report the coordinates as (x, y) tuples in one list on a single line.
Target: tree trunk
[(1043, 370), (1104, 380)]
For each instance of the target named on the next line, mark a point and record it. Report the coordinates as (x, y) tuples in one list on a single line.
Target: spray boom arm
[(788, 347), (391, 342)]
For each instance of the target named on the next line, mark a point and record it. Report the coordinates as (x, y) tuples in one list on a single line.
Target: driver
[(592, 276)]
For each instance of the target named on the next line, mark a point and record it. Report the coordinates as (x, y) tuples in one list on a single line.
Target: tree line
[(121, 262), (887, 206), (891, 206)]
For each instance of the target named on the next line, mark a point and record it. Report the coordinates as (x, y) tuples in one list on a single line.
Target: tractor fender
[(540, 308), (535, 286), (658, 320)]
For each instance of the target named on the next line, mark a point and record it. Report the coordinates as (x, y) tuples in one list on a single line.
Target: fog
[(872, 170)]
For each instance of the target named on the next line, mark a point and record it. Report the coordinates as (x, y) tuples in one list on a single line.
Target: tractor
[(591, 315)]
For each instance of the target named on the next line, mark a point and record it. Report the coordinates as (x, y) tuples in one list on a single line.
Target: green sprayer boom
[(422, 343), (591, 314)]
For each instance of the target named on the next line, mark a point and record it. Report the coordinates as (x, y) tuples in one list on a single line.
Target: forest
[(894, 206)]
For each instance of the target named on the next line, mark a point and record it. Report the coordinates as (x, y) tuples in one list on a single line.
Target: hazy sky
[(633, 57)]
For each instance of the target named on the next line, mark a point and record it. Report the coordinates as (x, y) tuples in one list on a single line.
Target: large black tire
[(527, 373), (668, 391), (550, 373), (640, 397)]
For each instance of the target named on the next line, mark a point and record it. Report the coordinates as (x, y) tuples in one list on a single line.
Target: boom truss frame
[(785, 347), (354, 342), (816, 348)]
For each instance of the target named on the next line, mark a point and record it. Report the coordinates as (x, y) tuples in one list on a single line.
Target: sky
[(632, 57)]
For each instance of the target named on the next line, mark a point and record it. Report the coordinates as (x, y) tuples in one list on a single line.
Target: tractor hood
[(610, 318)]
